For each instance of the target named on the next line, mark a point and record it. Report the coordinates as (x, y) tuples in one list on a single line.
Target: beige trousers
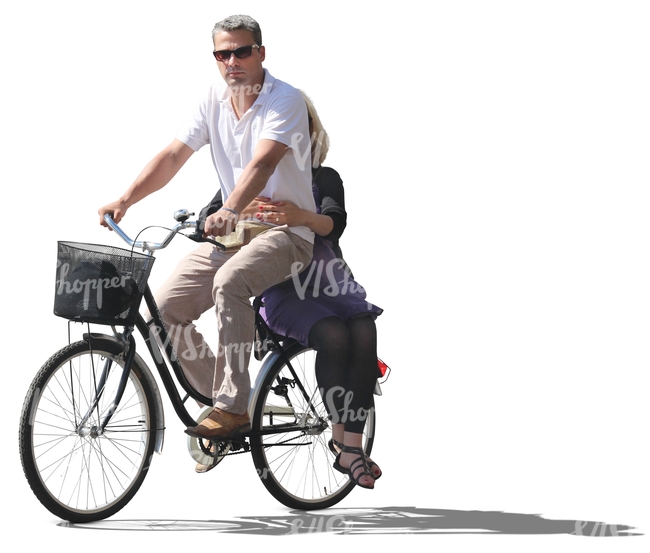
[(208, 278)]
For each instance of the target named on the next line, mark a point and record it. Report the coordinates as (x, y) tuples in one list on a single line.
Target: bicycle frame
[(154, 331), (154, 334), (151, 332)]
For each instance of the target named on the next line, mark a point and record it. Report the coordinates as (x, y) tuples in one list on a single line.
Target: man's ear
[(262, 53)]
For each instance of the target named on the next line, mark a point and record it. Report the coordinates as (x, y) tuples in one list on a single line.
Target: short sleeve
[(286, 120)]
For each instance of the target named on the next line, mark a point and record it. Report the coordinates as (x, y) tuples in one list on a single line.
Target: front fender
[(159, 431)]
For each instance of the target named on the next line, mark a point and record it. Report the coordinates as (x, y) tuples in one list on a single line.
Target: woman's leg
[(361, 377), (361, 374), (330, 338), (346, 368)]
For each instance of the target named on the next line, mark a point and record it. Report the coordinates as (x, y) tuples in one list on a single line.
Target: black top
[(332, 203)]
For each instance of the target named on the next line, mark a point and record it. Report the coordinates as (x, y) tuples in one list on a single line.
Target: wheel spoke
[(296, 467), (78, 470)]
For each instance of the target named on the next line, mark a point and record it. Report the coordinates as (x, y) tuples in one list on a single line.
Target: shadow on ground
[(376, 520)]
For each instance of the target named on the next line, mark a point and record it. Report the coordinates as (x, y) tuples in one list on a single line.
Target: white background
[(495, 157)]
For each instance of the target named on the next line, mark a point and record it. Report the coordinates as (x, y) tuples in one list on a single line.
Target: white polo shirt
[(279, 114)]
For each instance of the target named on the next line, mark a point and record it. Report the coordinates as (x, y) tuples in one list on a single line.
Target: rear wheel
[(77, 470), (293, 460)]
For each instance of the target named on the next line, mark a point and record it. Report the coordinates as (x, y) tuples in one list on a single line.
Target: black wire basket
[(100, 284)]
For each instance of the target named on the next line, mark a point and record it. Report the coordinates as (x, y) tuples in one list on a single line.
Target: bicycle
[(93, 415)]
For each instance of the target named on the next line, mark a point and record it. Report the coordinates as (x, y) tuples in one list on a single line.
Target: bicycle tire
[(77, 473), (296, 466)]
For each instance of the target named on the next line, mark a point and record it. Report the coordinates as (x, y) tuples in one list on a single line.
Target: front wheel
[(79, 471), (290, 435)]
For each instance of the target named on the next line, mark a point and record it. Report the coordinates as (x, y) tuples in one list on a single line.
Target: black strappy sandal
[(334, 445), (354, 466)]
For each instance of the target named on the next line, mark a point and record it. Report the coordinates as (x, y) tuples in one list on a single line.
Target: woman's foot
[(336, 447), (353, 462)]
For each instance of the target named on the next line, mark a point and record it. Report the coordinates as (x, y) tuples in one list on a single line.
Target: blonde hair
[(320, 142)]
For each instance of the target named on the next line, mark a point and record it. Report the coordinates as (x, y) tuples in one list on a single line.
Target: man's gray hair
[(239, 23)]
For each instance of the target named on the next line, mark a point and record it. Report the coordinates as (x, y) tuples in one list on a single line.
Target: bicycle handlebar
[(153, 246)]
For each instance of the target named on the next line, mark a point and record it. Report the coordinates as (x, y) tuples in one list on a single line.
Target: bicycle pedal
[(236, 445)]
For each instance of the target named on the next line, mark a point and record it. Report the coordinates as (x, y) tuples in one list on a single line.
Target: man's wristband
[(231, 210)]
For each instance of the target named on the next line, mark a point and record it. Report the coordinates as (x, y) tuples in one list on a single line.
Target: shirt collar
[(267, 87)]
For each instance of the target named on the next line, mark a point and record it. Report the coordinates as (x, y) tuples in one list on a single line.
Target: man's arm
[(252, 181), (156, 174)]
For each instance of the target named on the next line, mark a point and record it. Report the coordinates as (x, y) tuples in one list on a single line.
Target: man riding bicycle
[(257, 130)]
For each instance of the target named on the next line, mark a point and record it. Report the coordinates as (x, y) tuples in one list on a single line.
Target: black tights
[(346, 368)]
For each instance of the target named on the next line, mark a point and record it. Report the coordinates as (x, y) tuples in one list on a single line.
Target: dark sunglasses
[(240, 53)]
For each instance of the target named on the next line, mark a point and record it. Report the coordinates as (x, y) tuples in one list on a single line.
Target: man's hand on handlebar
[(220, 223), (116, 209)]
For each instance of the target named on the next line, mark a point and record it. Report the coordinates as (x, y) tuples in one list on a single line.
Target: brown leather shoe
[(220, 424)]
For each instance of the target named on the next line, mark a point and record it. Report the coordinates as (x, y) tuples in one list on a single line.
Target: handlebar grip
[(108, 217), (198, 238)]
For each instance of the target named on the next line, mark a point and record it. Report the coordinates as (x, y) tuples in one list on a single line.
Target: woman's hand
[(287, 213), (282, 213), (252, 209)]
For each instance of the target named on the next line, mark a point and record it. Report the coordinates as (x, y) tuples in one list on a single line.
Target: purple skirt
[(323, 289)]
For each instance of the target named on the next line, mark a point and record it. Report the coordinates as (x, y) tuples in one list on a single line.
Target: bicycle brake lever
[(199, 238)]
